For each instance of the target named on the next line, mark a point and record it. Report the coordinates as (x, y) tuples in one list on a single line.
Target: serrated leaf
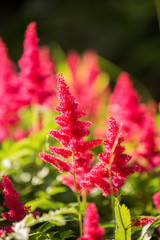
[(123, 220)]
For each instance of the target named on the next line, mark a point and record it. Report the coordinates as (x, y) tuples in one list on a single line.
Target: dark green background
[(126, 32)]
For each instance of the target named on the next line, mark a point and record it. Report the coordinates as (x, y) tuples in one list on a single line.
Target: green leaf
[(44, 204), (66, 234), (123, 220)]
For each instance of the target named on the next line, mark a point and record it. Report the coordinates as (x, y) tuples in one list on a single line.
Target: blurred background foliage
[(125, 32)]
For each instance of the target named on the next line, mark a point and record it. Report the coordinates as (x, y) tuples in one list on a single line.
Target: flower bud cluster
[(91, 230), (11, 196)]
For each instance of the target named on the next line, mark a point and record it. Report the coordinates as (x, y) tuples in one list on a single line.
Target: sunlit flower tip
[(91, 229), (29, 59), (71, 126), (66, 100), (11, 196), (142, 222), (31, 35), (61, 165), (112, 130)]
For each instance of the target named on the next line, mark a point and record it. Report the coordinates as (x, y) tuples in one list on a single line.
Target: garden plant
[(78, 158)]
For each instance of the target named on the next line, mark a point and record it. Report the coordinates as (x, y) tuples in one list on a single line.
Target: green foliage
[(44, 204), (123, 219)]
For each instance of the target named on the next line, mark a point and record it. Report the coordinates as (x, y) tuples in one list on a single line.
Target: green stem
[(78, 199), (84, 198), (110, 168), (36, 118)]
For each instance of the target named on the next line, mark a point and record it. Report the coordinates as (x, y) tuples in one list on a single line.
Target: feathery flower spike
[(70, 135), (125, 107), (85, 75), (11, 196), (110, 173), (156, 199), (91, 230), (9, 93), (37, 70)]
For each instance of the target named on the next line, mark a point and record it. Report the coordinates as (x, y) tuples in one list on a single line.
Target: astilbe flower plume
[(156, 199), (110, 173), (36, 70), (85, 75), (148, 149), (125, 106), (70, 135), (91, 230), (9, 93), (11, 196)]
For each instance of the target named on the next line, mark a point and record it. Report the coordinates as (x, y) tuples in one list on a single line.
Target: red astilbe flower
[(37, 70), (9, 93), (142, 221), (70, 135), (88, 82), (11, 196), (156, 199), (149, 143), (125, 106), (91, 230), (110, 173)]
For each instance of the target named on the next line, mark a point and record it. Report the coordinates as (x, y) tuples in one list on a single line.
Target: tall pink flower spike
[(11, 196), (91, 230), (9, 93), (84, 74), (156, 199), (70, 135), (137, 120), (110, 173), (125, 107), (37, 70)]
